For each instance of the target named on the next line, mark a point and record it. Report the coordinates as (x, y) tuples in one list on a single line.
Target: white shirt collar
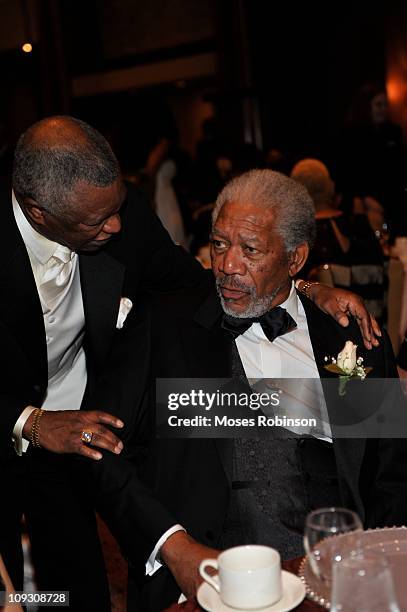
[(291, 303), (39, 246)]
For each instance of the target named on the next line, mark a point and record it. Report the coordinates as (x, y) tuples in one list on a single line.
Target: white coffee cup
[(249, 577)]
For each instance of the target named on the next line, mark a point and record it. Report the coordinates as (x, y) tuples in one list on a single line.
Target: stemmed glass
[(324, 540), (363, 583)]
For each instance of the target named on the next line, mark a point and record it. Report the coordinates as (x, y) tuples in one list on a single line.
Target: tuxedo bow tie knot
[(276, 322)]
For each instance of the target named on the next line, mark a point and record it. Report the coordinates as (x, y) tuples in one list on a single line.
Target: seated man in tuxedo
[(253, 324)]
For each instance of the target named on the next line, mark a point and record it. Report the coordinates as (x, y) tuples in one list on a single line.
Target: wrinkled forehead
[(236, 216), (92, 203)]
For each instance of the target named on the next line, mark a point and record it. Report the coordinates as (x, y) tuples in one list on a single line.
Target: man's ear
[(33, 212), (297, 258)]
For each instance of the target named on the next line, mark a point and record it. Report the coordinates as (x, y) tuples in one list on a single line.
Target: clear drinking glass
[(324, 542), (363, 583)]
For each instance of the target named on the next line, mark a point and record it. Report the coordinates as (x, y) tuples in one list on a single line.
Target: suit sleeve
[(130, 508), (133, 514), (20, 387), (11, 408), (154, 264)]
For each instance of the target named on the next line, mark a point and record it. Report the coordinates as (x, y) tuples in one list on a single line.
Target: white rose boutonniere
[(348, 365)]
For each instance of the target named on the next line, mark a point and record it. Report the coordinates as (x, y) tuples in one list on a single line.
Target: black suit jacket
[(24, 369), (193, 476), (152, 264)]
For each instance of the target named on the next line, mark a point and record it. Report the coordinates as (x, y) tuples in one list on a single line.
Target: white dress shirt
[(64, 324), (288, 357)]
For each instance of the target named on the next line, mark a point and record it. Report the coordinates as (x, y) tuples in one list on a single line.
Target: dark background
[(273, 74)]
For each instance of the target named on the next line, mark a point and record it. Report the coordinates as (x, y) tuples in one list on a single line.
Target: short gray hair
[(48, 171), (295, 213), (315, 177)]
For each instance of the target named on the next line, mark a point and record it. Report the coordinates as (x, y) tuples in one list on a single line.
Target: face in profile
[(90, 221), (251, 265)]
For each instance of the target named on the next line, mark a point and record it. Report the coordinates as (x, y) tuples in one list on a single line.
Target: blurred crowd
[(359, 197)]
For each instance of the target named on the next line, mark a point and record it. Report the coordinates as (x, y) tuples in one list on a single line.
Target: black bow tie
[(276, 322)]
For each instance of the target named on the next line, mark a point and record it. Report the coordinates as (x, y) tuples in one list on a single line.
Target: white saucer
[(293, 594)]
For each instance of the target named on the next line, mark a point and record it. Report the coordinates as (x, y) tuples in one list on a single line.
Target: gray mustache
[(233, 283)]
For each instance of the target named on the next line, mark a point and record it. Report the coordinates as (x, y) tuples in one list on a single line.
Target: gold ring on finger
[(87, 437)]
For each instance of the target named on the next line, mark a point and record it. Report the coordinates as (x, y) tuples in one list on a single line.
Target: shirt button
[(51, 320), (48, 339), (251, 453)]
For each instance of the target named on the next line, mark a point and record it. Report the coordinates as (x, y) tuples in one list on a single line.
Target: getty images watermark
[(229, 408), (198, 398)]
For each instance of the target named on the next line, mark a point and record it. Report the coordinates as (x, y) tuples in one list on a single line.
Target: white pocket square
[(125, 306)]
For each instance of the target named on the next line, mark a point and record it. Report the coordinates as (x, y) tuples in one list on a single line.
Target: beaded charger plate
[(391, 541)]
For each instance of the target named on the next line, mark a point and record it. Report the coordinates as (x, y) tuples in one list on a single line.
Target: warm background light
[(27, 47)]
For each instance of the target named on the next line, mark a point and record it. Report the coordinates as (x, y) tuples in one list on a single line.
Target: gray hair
[(47, 170), (295, 213), (315, 177)]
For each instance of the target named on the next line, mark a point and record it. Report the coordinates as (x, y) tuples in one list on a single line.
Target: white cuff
[(153, 564), (21, 445)]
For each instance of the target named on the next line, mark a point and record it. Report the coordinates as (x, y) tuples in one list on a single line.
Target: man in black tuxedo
[(255, 325), (61, 296)]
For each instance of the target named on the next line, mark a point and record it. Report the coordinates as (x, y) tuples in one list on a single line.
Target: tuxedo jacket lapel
[(328, 339), (206, 345), (101, 283), (212, 360), (22, 314)]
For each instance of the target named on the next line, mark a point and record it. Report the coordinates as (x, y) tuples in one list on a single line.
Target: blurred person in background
[(212, 164), (346, 252), (371, 162), (158, 179), (166, 203)]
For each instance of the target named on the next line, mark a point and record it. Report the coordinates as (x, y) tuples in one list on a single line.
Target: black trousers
[(55, 496)]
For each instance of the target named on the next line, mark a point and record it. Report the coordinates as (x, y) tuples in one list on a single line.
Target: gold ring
[(87, 437)]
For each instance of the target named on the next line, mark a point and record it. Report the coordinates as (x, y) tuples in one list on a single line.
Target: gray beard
[(257, 306)]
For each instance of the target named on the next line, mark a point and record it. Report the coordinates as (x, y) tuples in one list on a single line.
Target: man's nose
[(113, 225), (232, 262)]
